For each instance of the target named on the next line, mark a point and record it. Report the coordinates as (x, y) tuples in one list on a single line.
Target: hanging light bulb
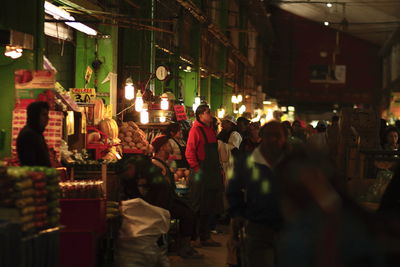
[(242, 109), (13, 52), (239, 98), (139, 102), (329, 4), (197, 102), (234, 99), (144, 115), (164, 101), (221, 112), (129, 89)]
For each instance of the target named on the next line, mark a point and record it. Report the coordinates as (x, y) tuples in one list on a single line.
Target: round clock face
[(161, 73)]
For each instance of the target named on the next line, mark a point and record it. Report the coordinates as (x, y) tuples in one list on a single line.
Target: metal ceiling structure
[(371, 20)]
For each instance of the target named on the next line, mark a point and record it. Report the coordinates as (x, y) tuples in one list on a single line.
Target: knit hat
[(159, 141), (229, 118)]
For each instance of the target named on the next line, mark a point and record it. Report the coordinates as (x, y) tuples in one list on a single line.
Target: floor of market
[(213, 256)]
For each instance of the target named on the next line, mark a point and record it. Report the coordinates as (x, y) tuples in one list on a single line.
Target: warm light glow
[(139, 102), (270, 115), (262, 121), (239, 98), (258, 116), (326, 23), (329, 5), (129, 89), (163, 119), (197, 102), (221, 113), (242, 109), (164, 102), (267, 102), (290, 108), (234, 99), (13, 52), (283, 109), (144, 115), (61, 14)]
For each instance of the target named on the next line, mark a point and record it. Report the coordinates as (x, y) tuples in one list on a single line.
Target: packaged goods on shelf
[(31, 194)]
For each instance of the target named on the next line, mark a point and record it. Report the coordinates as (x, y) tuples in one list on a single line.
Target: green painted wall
[(7, 91), (227, 103), (217, 95), (24, 16), (189, 84), (86, 54)]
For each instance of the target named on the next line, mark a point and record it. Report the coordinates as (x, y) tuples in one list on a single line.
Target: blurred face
[(273, 139), (242, 125), (392, 138), (296, 125), (167, 148), (44, 118), (206, 117), (178, 134), (254, 131), (226, 125)]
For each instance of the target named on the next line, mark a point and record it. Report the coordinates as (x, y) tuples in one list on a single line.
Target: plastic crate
[(83, 214)]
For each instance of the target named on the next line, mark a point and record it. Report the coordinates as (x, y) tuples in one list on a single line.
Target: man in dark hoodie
[(31, 147)]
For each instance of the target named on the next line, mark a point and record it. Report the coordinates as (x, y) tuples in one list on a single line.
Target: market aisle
[(213, 257)]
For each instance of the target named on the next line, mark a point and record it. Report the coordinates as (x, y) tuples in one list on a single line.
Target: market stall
[(88, 141)]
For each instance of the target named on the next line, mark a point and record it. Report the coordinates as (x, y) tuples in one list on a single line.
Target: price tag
[(83, 95), (180, 113)]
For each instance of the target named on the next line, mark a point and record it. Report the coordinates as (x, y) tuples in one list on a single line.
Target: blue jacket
[(252, 191)]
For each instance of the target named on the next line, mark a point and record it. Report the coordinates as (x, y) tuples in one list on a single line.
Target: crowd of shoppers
[(278, 183)]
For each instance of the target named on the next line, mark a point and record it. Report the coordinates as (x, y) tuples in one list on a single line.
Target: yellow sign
[(83, 95), (88, 74)]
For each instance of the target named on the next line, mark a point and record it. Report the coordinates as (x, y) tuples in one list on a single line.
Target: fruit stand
[(29, 216)]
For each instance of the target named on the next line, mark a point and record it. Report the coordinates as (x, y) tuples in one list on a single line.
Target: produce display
[(133, 138), (34, 192), (82, 189)]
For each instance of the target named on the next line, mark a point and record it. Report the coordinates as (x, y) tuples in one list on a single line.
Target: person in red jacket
[(206, 184)]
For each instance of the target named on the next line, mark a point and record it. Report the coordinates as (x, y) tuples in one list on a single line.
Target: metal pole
[(152, 47)]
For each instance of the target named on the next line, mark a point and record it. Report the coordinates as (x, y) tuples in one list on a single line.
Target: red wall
[(297, 46)]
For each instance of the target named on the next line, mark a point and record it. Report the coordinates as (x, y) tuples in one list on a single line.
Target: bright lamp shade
[(164, 104), (234, 99), (139, 104), (129, 91), (144, 116), (221, 113)]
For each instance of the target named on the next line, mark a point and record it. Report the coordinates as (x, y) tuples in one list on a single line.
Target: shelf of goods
[(29, 216), (83, 212), (133, 139), (136, 137)]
